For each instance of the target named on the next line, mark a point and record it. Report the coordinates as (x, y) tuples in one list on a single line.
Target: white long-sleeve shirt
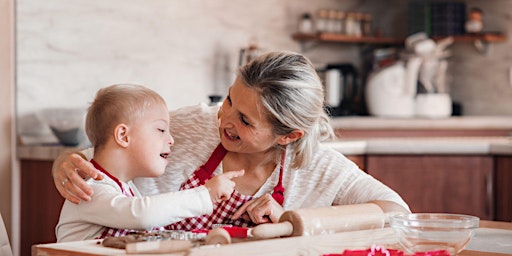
[(109, 207)]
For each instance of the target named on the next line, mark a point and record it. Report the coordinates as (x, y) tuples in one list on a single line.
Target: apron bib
[(222, 211)]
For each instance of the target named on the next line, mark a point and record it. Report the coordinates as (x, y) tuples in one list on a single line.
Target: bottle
[(350, 24), (306, 24), (367, 25), (340, 22), (358, 19), (322, 16), (332, 20)]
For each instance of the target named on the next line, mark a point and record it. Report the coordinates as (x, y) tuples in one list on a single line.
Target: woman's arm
[(390, 207), (69, 170)]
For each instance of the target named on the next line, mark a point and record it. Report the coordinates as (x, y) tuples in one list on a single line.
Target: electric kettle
[(343, 92)]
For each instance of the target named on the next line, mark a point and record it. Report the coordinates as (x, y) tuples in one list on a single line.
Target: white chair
[(5, 246)]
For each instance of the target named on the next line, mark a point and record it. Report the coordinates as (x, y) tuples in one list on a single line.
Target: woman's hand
[(263, 209), (69, 171)]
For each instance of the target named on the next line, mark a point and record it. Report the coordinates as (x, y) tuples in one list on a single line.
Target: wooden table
[(491, 239)]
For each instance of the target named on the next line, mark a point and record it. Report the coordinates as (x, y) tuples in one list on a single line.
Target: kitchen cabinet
[(503, 188), (360, 160), (40, 204), (439, 183)]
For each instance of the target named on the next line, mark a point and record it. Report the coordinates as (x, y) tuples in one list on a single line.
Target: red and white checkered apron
[(222, 211), (127, 192)]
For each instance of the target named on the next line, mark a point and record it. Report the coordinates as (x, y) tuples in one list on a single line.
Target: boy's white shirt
[(109, 207)]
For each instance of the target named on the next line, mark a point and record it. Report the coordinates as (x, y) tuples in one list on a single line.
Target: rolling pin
[(327, 220)]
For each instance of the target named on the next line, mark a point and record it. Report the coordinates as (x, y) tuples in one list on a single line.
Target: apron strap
[(278, 194), (206, 170)]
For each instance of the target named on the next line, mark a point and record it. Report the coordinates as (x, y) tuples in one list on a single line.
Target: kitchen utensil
[(327, 220), (67, 124), (390, 91), (433, 105), (344, 94), (215, 236), (421, 232)]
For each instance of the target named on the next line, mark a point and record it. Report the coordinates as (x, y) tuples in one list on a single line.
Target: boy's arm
[(109, 207)]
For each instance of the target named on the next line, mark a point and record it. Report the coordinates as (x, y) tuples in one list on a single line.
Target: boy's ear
[(290, 137), (121, 135)]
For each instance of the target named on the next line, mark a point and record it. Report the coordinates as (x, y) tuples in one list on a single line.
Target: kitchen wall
[(186, 50), (483, 82)]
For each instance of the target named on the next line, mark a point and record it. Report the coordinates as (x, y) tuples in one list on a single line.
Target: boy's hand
[(221, 186)]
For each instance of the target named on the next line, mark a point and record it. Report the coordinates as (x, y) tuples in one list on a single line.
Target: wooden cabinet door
[(439, 183), (360, 160), (40, 204), (504, 188)]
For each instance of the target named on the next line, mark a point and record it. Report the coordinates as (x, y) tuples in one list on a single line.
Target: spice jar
[(306, 24), (367, 25), (322, 17), (350, 23)]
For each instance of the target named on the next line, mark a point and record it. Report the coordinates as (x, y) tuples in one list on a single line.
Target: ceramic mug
[(433, 105)]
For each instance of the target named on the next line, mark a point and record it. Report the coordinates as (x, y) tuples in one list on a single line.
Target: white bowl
[(67, 124), (421, 232)]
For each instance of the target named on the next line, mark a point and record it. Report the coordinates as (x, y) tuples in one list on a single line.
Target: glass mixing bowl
[(421, 232)]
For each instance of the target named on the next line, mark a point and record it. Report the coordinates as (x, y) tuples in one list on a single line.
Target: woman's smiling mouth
[(230, 137)]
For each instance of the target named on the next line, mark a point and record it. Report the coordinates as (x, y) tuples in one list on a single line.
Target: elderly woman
[(271, 125)]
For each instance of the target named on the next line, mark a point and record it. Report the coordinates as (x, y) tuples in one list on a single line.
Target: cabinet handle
[(489, 194)]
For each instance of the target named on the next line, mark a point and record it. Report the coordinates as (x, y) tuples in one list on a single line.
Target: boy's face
[(151, 142)]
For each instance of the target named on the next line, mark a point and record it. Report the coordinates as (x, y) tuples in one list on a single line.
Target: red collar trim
[(101, 169)]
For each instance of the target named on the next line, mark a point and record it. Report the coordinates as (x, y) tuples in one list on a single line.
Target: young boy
[(128, 125)]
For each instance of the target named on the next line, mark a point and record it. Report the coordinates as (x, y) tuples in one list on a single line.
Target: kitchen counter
[(411, 145), (497, 138), (462, 122)]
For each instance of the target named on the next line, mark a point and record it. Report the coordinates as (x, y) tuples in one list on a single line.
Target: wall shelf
[(485, 37), (481, 41), (339, 38)]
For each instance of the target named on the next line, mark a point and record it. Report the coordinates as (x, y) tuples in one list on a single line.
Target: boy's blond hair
[(115, 104)]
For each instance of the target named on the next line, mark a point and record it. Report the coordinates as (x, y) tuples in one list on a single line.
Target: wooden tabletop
[(302, 245)]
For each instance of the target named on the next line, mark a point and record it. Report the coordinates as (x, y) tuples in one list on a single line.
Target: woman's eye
[(244, 122), (228, 99)]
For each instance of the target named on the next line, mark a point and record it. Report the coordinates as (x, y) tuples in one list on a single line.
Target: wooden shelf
[(338, 38), (486, 37)]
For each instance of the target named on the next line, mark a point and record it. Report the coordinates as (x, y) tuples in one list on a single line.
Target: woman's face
[(243, 125)]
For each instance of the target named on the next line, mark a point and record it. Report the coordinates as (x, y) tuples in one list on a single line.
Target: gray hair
[(115, 104), (293, 96)]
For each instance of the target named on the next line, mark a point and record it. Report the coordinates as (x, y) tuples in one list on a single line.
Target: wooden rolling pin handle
[(218, 236), (264, 231)]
